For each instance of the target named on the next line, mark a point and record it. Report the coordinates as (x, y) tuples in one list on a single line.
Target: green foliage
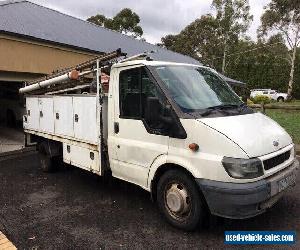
[(262, 64), (283, 16), (249, 102), (199, 40), (210, 37), (97, 19), (261, 99), (233, 17), (126, 21), (289, 120)]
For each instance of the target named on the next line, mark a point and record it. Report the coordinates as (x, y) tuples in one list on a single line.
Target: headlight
[(243, 168)]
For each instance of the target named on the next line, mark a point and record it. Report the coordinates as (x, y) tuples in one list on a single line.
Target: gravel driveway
[(72, 209)]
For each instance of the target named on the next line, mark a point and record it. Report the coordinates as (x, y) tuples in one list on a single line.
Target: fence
[(263, 107)]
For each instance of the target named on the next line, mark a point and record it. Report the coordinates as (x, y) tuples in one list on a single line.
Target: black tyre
[(48, 163), (180, 200), (280, 99)]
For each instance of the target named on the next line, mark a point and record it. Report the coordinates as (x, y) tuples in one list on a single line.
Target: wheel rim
[(177, 201)]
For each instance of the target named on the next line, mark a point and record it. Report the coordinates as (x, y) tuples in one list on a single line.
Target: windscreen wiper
[(242, 106), (221, 107)]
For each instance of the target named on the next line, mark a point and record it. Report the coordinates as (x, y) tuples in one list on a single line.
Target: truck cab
[(172, 122), (178, 131)]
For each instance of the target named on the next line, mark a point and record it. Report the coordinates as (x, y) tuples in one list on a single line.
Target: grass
[(273, 102), (289, 120), (293, 102)]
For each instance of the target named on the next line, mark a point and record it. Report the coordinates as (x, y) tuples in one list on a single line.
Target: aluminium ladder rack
[(68, 77)]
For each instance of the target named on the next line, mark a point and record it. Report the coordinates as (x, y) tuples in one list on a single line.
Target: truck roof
[(139, 62), (150, 63)]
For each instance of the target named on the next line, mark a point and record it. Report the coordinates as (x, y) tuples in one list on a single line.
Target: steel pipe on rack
[(102, 58), (73, 75)]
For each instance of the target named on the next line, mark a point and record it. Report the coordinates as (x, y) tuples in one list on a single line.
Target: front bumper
[(245, 200)]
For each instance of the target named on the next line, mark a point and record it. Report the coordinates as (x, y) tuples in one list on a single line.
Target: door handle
[(116, 127), (76, 117)]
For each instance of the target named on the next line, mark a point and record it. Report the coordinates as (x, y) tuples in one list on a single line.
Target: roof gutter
[(50, 42)]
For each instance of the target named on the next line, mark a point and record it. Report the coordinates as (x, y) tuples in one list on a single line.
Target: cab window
[(130, 90), (136, 88)]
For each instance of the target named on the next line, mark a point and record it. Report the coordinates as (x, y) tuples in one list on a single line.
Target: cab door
[(138, 137)]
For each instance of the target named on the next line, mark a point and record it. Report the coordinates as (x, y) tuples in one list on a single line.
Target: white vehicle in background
[(272, 94), (176, 130)]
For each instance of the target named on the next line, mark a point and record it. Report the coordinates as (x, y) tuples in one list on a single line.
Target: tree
[(233, 18), (284, 17), (259, 64), (199, 40), (98, 19), (126, 22)]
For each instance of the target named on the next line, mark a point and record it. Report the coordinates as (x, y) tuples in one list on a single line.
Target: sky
[(158, 17)]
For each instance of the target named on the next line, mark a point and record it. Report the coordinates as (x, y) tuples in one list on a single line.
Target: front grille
[(275, 161)]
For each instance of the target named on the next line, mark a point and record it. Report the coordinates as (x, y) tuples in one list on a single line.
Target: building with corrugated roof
[(35, 40), (44, 39)]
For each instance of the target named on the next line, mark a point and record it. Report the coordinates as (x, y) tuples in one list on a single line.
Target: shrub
[(249, 102), (261, 99)]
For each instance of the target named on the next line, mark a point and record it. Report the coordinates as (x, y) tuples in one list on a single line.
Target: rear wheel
[(280, 99), (48, 163), (180, 201)]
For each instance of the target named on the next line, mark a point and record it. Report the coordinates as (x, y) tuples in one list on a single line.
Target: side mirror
[(153, 109), (164, 118), (153, 112)]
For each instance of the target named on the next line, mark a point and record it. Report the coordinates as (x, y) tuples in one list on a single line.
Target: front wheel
[(180, 201)]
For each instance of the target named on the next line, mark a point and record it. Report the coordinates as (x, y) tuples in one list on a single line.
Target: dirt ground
[(72, 209), (10, 139)]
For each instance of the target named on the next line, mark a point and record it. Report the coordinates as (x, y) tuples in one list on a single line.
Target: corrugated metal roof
[(10, 2), (29, 19)]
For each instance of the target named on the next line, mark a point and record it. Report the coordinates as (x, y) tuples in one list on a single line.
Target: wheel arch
[(159, 171), (49, 147), (280, 98)]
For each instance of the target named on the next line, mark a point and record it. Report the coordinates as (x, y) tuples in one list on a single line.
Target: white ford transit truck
[(176, 130)]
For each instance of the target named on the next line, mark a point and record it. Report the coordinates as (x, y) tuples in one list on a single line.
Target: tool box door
[(63, 115), (32, 114), (46, 114), (85, 118)]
